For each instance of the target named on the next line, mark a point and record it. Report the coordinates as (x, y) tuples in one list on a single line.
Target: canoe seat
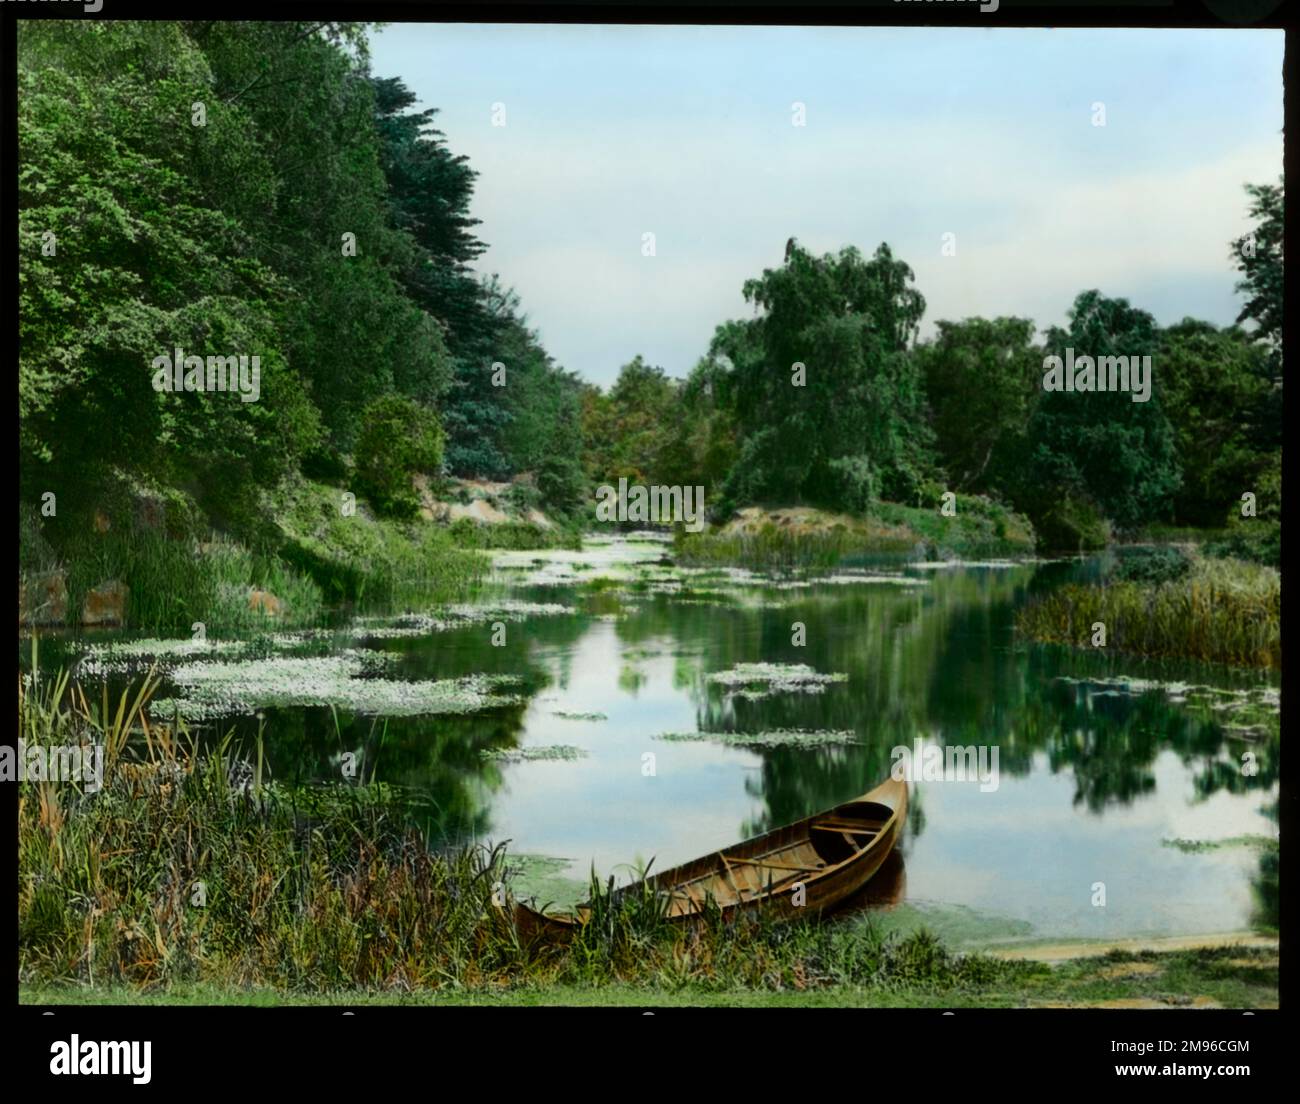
[(837, 838), (845, 824)]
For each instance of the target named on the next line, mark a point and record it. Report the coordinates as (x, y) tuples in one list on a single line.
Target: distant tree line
[(826, 397)]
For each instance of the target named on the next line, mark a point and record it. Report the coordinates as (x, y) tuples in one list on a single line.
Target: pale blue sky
[(912, 133)]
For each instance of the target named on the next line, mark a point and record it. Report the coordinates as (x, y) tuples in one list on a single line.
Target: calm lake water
[(1102, 766)]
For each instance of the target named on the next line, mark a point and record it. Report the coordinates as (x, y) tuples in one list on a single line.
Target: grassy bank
[(518, 536), (376, 563), (808, 538), (170, 582), (187, 869), (1218, 611), (1257, 540), (307, 549), (1228, 977)]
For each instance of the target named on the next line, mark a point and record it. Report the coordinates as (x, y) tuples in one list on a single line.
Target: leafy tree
[(429, 195), (111, 222), (1215, 384), (982, 377), (399, 439), (429, 192), (1259, 259), (349, 328), (477, 413), (1101, 446), (250, 188), (701, 443), (543, 435), (823, 374)]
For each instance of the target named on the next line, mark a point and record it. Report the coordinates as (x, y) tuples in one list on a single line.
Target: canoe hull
[(802, 869)]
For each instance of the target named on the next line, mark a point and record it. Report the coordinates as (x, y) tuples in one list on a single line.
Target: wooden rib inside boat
[(828, 856)]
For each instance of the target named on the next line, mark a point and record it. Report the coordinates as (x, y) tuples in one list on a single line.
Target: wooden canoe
[(831, 855)]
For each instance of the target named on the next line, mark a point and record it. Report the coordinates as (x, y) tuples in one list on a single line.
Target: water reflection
[(1094, 781)]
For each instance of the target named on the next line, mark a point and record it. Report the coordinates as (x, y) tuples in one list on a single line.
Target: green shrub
[(399, 439), (524, 496), (34, 551), (771, 548), (562, 483), (1150, 565), (1253, 539), (1268, 493), (514, 535), (1072, 524)]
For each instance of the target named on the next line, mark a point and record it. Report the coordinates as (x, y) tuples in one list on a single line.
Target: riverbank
[(151, 559), (176, 867), (803, 537)]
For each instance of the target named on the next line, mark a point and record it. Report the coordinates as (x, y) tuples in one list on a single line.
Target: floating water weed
[(773, 678), (224, 689), (531, 754), (772, 738)]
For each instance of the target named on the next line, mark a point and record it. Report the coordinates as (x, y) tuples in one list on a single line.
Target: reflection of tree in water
[(1111, 740), (1108, 743), (912, 655), (434, 761), (937, 661), (796, 782), (942, 663), (1267, 912)]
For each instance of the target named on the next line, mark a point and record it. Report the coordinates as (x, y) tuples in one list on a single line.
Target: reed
[(771, 548), (381, 565), (171, 583), (524, 536), (1220, 611)]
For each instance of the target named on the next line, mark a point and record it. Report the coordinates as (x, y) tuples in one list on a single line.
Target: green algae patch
[(1251, 714), (123, 656), (959, 926), (543, 880), (451, 617)]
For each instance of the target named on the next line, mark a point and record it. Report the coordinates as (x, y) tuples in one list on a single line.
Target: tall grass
[(1221, 611), (173, 583), (522, 536), (771, 548), (188, 867)]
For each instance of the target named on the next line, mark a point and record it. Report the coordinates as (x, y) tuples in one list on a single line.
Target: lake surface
[(1111, 772)]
